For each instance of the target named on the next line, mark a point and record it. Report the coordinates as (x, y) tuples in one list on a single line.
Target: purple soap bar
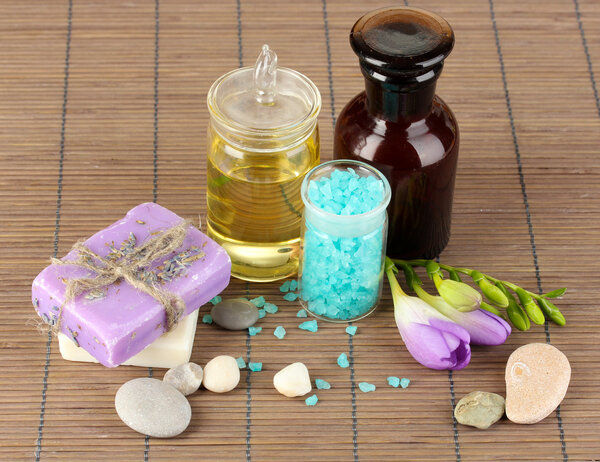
[(119, 321)]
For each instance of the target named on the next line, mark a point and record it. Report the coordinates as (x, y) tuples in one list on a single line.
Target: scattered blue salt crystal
[(343, 360), (404, 382), (366, 387), (351, 330), (302, 314), (261, 313), (311, 400), (240, 362), (393, 381), (279, 332), (216, 300), (310, 326), (341, 275), (254, 330), (207, 319), (271, 308), (258, 301), (291, 296), (255, 367), (322, 384), (293, 285), (285, 286)]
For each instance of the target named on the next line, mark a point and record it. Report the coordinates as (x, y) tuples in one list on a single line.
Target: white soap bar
[(169, 350)]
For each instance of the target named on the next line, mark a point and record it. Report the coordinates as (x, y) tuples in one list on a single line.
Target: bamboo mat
[(102, 107)]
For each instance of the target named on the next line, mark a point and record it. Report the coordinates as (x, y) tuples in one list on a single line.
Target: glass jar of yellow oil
[(263, 138)]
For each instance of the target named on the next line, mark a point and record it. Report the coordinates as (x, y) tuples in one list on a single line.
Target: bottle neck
[(398, 102)]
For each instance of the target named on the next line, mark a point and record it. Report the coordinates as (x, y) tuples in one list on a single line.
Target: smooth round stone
[(153, 407), (293, 380), (185, 377), (221, 374), (537, 377), (479, 409), (234, 314)]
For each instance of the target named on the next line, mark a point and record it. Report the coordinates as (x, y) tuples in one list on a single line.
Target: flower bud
[(534, 311), (459, 295), (493, 293)]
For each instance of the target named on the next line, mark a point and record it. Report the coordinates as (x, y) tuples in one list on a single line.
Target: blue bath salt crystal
[(258, 301), (322, 384), (271, 308), (291, 296), (366, 387), (310, 326), (302, 313), (240, 362), (311, 400), (254, 330), (343, 360), (351, 330), (261, 313), (216, 300), (285, 286), (404, 382), (279, 332), (207, 319), (393, 381), (255, 367), (341, 275), (293, 285)]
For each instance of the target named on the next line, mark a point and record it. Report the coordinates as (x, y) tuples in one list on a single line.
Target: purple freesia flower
[(484, 328), (430, 337)]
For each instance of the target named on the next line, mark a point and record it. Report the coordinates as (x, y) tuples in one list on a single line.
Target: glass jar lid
[(264, 97)]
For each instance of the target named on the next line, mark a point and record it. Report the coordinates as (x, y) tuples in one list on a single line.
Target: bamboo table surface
[(102, 107)]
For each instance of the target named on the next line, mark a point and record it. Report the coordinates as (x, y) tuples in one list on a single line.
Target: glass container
[(263, 138), (400, 126), (343, 253)]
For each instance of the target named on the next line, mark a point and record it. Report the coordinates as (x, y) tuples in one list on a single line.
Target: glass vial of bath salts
[(343, 240), (262, 139), (400, 126)]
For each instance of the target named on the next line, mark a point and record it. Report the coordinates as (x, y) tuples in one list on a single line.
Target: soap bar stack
[(118, 321)]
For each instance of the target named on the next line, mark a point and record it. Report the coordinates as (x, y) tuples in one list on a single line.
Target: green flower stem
[(515, 312)]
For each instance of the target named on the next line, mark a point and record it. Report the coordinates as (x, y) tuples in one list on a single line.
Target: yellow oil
[(254, 205)]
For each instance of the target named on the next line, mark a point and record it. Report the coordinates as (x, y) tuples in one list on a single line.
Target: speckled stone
[(234, 314), (221, 374), (479, 409), (293, 380), (153, 407), (537, 377), (185, 377)]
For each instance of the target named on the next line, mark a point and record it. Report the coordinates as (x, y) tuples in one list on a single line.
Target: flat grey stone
[(234, 314), (153, 407), (479, 409)]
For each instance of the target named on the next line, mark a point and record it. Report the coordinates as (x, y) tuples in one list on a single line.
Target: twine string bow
[(127, 267)]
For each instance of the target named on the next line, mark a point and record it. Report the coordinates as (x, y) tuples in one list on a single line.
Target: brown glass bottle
[(401, 127)]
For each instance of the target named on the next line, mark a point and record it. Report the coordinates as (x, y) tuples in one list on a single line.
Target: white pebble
[(185, 377), (153, 407), (293, 380), (221, 374)]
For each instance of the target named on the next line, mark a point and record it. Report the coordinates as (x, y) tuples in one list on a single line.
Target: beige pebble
[(537, 377), (185, 377), (221, 374), (293, 380), (153, 407)]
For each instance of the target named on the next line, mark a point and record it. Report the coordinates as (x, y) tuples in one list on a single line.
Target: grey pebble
[(187, 378), (479, 409), (234, 314), (153, 407)]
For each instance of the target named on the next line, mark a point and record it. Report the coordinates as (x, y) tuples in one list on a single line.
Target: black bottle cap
[(401, 41)]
